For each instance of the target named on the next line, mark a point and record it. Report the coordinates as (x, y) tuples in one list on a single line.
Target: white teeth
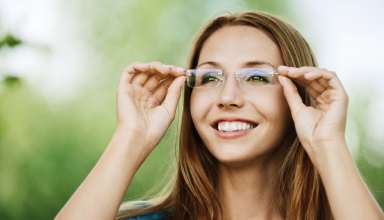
[(234, 126)]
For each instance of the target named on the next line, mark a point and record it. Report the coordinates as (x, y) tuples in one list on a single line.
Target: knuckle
[(132, 67), (169, 68), (128, 69), (134, 64), (332, 73), (163, 69), (157, 67)]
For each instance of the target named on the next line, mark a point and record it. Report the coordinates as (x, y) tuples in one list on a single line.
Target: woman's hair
[(192, 192)]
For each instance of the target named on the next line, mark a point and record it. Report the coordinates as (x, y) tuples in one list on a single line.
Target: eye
[(256, 76), (208, 76)]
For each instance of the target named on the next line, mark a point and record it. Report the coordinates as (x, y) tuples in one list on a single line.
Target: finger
[(177, 71), (161, 91), (321, 100), (173, 94), (292, 95), (159, 68), (144, 97), (128, 74), (282, 70), (313, 72), (139, 79), (153, 68), (134, 74), (336, 85), (312, 75), (124, 85), (323, 82), (307, 76), (152, 83), (318, 76), (316, 86), (157, 94), (306, 72), (328, 79), (296, 76), (303, 69), (313, 92)]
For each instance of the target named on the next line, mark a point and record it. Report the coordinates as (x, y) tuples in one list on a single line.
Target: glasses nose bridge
[(230, 91), (225, 79)]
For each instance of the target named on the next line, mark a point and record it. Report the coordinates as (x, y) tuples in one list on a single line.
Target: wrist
[(134, 137), (330, 144), (130, 148), (328, 153)]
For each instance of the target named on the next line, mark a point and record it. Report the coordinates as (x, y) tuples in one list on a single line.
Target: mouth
[(233, 127)]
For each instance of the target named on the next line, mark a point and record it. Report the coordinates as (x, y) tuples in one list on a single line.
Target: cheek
[(199, 104), (272, 105)]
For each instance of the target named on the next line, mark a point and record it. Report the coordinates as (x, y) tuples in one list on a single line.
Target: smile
[(229, 129)]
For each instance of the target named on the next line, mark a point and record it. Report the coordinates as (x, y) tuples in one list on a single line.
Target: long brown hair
[(191, 193)]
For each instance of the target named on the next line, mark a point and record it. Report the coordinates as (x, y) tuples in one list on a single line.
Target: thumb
[(173, 94), (292, 95)]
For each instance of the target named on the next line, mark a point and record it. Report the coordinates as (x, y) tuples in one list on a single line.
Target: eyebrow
[(246, 64)]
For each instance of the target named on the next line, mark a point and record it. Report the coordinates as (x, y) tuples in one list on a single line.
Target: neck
[(248, 191)]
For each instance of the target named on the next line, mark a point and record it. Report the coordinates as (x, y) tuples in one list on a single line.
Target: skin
[(147, 97), (246, 162)]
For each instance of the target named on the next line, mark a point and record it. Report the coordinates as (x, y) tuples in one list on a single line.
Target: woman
[(262, 134)]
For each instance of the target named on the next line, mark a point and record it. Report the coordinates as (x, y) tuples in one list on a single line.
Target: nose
[(230, 95)]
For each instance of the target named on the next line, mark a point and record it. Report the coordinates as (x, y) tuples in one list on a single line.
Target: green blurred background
[(53, 129)]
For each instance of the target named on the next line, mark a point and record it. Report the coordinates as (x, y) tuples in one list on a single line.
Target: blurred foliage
[(369, 162), (10, 80), (47, 149), (9, 40)]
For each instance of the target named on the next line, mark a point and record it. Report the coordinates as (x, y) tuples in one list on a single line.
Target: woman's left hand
[(324, 123)]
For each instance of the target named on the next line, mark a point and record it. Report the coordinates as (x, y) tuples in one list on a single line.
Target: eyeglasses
[(247, 77)]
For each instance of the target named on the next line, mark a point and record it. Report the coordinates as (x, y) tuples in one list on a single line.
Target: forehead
[(232, 45)]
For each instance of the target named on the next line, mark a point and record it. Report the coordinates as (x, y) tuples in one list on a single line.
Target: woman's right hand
[(147, 98)]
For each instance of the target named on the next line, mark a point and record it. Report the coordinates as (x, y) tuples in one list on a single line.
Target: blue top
[(147, 216)]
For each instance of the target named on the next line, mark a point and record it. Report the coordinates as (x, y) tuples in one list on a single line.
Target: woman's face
[(230, 49)]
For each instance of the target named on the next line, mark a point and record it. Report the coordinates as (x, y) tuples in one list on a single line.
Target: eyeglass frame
[(237, 74)]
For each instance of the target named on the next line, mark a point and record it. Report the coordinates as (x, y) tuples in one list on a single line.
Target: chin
[(231, 156)]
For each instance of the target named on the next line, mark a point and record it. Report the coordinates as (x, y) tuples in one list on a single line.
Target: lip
[(232, 134)]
